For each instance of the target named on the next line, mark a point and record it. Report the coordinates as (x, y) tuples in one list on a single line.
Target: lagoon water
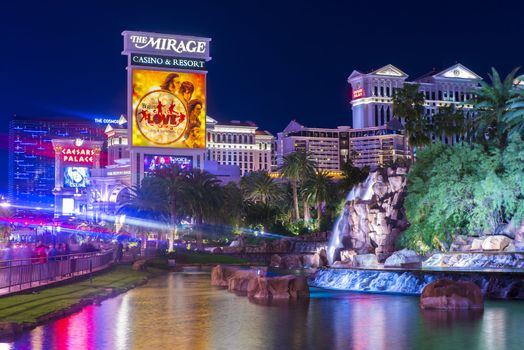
[(182, 311)]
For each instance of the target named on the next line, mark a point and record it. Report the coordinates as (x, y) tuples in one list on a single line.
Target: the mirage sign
[(166, 45)]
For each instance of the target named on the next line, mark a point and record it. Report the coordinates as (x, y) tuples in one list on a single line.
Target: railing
[(32, 272)]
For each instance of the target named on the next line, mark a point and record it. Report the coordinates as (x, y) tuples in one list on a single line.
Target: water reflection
[(185, 312)]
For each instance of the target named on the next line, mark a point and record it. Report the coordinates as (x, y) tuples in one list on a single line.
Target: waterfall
[(371, 281), (476, 261), (492, 285), (362, 191)]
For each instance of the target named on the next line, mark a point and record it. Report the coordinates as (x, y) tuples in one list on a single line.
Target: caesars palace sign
[(168, 45)]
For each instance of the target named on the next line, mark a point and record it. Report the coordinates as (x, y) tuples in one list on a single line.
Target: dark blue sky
[(273, 61)]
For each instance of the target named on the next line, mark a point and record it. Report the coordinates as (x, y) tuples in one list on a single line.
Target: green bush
[(462, 189)]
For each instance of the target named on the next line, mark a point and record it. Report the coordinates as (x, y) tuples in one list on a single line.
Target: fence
[(27, 273)]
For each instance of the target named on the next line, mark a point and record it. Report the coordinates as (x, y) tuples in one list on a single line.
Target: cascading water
[(362, 191), (371, 281), (492, 285), (474, 261)]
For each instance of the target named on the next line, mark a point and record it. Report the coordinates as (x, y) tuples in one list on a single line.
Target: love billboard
[(169, 109)]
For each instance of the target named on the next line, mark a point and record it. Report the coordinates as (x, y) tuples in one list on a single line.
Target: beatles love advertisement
[(169, 109)]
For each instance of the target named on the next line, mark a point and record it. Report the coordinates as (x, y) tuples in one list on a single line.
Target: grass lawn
[(29, 307)]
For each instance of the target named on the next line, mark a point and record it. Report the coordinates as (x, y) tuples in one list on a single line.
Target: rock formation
[(373, 216), (255, 284), (447, 294), (221, 273), (403, 258), (279, 287)]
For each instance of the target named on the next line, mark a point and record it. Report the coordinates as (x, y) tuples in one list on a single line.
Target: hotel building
[(241, 144), (328, 148), (31, 169), (372, 94)]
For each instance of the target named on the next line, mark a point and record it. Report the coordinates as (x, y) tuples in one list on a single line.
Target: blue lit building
[(31, 176)]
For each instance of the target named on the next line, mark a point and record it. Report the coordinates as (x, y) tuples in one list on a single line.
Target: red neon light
[(78, 155), (358, 93)]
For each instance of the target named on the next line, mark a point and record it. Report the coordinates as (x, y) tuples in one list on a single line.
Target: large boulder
[(496, 243), (402, 258), (239, 281), (347, 257), (311, 261), (279, 287), (365, 260), (476, 244), (446, 294), (323, 258), (221, 273), (291, 262), (276, 260)]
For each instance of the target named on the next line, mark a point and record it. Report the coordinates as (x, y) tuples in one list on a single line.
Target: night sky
[(272, 61)]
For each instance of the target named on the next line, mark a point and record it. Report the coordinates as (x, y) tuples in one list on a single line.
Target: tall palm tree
[(296, 167), (318, 189), (258, 186), (351, 176), (203, 197), (408, 103), (172, 180), (450, 121), (492, 106), (144, 211), (514, 118)]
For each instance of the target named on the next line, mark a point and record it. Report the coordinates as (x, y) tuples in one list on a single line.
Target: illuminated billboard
[(168, 109), (76, 177), (152, 163)]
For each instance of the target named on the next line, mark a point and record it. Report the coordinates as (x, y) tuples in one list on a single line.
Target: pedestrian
[(119, 251), (52, 253), (41, 253)]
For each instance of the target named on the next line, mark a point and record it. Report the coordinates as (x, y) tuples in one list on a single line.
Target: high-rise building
[(328, 148), (372, 94), (241, 144), (31, 177), (379, 145)]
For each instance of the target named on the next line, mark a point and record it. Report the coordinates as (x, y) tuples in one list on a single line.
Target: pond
[(182, 311)]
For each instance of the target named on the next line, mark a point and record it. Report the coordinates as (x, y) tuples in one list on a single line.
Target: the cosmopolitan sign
[(166, 45), (77, 155)]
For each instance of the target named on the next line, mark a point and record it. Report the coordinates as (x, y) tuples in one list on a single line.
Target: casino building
[(328, 148), (241, 144), (372, 93), (31, 169)]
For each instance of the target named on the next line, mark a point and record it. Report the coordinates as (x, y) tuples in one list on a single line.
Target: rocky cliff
[(373, 215)]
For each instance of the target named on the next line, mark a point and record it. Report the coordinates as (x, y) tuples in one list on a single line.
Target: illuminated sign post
[(167, 89), (77, 155), (166, 99)]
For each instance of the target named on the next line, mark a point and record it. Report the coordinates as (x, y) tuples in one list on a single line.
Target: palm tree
[(408, 103), (296, 167), (172, 180), (450, 121), (493, 108), (351, 176), (317, 189), (203, 197), (143, 210), (258, 186), (514, 118)]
